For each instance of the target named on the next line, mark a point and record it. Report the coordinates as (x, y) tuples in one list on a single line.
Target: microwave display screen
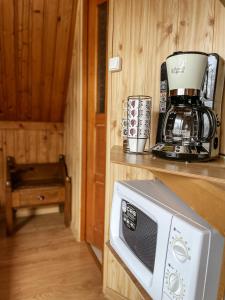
[(139, 232)]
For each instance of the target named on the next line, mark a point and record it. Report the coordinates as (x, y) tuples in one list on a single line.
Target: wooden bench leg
[(67, 205), (61, 208)]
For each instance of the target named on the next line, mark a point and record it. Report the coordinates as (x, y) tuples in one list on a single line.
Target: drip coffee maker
[(190, 107)]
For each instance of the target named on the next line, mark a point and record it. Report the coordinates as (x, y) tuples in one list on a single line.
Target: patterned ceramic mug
[(124, 126), (138, 117)]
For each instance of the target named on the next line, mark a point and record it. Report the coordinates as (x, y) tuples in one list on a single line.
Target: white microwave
[(172, 251)]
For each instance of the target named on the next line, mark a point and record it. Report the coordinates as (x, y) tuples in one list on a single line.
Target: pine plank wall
[(143, 33), (73, 123), (36, 42), (35, 56), (28, 142)]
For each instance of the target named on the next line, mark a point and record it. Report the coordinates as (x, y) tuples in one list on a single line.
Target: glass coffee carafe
[(189, 125)]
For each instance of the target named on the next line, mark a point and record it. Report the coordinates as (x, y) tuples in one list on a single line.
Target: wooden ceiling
[(36, 38)]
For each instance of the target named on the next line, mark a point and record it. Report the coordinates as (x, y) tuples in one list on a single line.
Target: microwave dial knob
[(180, 250), (175, 285)]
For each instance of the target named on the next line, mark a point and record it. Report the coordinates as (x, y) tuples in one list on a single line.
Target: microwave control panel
[(186, 258), (129, 215)]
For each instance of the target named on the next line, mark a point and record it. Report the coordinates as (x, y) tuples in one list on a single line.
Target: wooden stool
[(33, 185)]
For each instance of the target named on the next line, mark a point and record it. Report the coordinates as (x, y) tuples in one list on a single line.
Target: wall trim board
[(11, 125), (73, 123), (108, 142), (84, 119), (70, 50)]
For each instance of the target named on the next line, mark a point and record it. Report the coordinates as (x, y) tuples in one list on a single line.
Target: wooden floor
[(42, 261)]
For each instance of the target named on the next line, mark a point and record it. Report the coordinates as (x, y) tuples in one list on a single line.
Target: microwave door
[(139, 233)]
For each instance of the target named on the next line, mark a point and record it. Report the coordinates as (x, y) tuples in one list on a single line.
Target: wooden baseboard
[(95, 257)]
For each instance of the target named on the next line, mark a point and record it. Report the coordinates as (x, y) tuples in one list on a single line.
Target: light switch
[(115, 64)]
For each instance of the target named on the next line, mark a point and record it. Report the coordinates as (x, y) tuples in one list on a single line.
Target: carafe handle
[(212, 123)]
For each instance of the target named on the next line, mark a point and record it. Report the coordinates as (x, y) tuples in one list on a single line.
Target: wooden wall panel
[(143, 43), (35, 40), (164, 39), (37, 6), (143, 33), (118, 280), (48, 59), (28, 143), (196, 25), (149, 36), (219, 47), (73, 123), (61, 50), (8, 103)]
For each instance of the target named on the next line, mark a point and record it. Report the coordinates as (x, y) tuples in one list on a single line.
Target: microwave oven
[(173, 252)]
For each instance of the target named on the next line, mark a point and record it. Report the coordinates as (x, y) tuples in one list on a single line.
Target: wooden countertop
[(213, 171)]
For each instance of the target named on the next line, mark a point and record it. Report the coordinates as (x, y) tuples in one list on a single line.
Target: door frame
[(84, 119), (85, 113)]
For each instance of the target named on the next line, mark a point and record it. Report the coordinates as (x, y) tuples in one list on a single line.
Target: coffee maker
[(191, 90)]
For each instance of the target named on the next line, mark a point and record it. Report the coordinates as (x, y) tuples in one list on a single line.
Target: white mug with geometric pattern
[(138, 117)]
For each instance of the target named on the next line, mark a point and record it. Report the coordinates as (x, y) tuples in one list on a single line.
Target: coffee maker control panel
[(209, 86)]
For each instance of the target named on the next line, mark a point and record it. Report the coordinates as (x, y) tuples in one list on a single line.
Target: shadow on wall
[(223, 2)]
